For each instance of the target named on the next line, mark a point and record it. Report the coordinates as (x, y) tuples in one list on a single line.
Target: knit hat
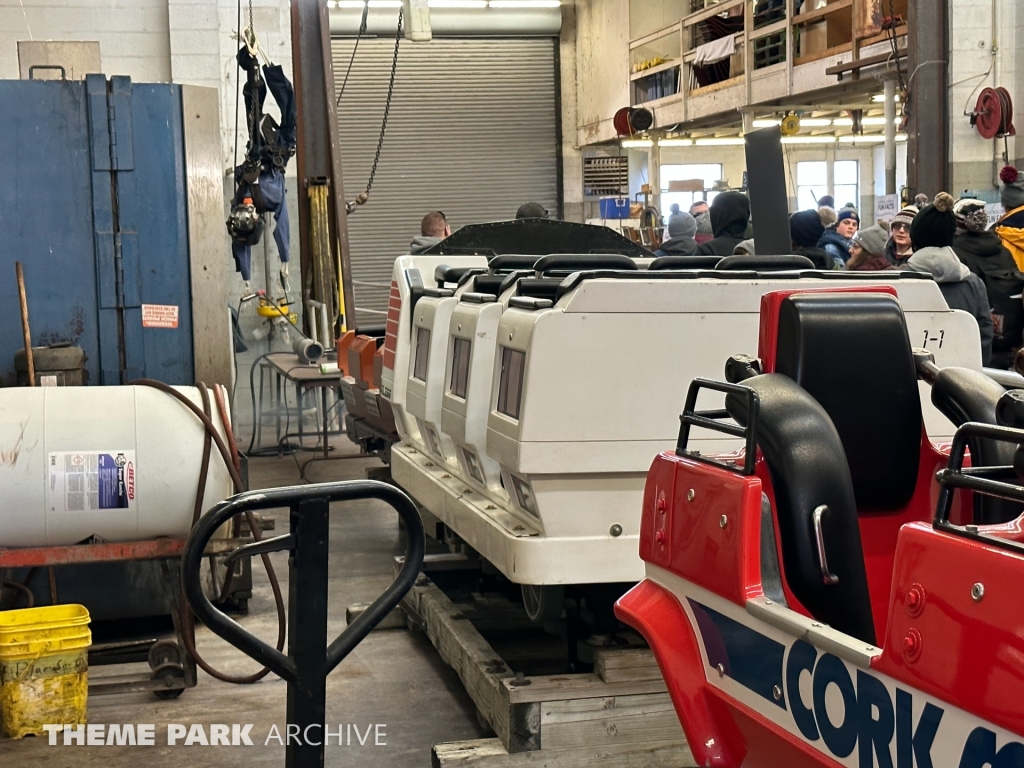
[(920, 200), (971, 215), (827, 216), (905, 216), (872, 240), (1012, 193), (847, 213), (935, 225), (826, 201), (682, 225), (704, 224), (744, 248), (806, 227)]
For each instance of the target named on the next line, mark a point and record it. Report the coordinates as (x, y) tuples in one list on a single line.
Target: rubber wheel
[(173, 676), (164, 652), (543, 603)]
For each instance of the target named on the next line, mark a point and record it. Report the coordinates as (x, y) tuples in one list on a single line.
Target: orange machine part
[(360, 360)]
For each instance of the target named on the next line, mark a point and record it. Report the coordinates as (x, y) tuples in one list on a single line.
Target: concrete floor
[(394, 678)]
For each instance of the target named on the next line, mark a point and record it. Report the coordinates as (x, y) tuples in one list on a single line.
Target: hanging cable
[(387, 104), (352, 58)]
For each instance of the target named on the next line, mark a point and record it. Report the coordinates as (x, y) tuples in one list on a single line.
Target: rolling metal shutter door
[(472, 132)]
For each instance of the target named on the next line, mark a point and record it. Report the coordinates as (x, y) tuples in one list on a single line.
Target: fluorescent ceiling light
[(901, 137), (815, 122), (873, 138), (636, 143), (877, 121), (843, 121), (723, 141), (384, 3), (675, 142), (766, 123), (880, 98), (525, 3), (808, 139), (347, 4), (458, 3)]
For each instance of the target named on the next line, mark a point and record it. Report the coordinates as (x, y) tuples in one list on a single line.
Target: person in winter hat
[(899, 248), (805, 229), (681, 229), (932, 235), (982, 252), (867, 252), (745, 248), (730, 214), (704, 231), (1010, 227), (837, 239)]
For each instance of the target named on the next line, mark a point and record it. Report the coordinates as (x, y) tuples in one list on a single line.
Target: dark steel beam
[(927, 129), (318, 153)]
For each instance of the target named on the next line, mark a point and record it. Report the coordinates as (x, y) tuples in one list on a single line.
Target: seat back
[(808, 469), (852, 354)]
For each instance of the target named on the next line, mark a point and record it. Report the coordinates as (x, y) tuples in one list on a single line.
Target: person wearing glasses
[(899, 248), (433, 229)]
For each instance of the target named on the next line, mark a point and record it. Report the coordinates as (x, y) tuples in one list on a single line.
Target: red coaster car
[(806, 604)]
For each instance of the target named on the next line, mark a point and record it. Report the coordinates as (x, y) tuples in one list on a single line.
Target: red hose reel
[(993, 114)]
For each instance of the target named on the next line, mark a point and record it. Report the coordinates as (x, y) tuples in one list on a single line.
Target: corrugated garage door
[(472, 133)]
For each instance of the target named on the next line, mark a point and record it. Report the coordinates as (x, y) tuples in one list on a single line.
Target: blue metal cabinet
[(93, 203)]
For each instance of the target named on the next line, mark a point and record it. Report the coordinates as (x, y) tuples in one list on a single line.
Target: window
[(510, 386), (812, 183), (845, 176), (460, 367), (709, 173), (419, 368)]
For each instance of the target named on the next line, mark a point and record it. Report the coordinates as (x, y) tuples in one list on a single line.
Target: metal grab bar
[(309, 658)]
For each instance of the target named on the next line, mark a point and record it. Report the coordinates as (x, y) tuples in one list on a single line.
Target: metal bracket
[(827, 576)]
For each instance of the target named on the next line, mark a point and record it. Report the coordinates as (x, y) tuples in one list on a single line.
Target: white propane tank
[(118, 463)]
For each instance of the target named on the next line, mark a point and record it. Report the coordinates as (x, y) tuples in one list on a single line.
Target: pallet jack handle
[(309, 658)]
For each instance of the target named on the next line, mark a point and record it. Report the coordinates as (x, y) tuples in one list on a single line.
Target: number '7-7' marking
[(939, 338)]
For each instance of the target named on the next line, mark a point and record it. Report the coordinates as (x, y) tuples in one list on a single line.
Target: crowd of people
[(978, 268)]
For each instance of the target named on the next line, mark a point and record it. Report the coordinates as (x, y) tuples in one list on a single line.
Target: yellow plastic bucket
[(43, 668)]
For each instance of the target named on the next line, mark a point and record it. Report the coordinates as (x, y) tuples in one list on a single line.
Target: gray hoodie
[(961, 288), (420, 243)]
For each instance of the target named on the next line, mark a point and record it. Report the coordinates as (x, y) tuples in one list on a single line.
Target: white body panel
[(44, 428), (408, 269), (606, 374), (423, 397)]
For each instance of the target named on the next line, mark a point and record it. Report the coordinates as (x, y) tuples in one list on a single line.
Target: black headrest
[(488, 284), (685, 262), (539, 287), (567, 263), (509, 261), (765, 263), (808, 469), (851, 352), (445, 274)]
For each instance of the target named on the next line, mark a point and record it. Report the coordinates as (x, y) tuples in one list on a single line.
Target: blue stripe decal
[(748, 657)]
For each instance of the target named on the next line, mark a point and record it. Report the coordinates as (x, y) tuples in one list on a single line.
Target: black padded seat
[(511, 261), (765, 263), (684, 262), (444, 274), (488, 284), (539, 287), (808, 469), (567, 263), (963, 395), (851, 352)]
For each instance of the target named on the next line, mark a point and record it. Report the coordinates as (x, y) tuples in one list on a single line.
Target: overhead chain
[(387, 104)]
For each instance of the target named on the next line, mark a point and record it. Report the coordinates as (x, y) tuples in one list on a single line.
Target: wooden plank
[(655, 35), (869, 61), (488, 753), (711, 10), (812, 57), (587, 686), (613, 727), (626, 665), (580, 710), (815, 15), (479, 667), (654, 70)]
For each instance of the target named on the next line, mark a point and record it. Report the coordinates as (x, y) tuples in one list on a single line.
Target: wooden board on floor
[(619, 715), (489, 753)]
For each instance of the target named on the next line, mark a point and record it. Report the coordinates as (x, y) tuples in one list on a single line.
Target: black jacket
[(730, 215), (985, 255)]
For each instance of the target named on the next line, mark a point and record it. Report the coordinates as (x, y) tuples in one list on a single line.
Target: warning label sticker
[(159, 316), (91, 481)]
